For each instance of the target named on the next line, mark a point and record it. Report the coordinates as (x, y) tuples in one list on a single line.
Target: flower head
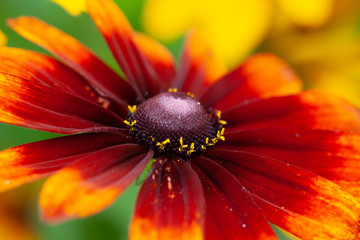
[(230, 153)]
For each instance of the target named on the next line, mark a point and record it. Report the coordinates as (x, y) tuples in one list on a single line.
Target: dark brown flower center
[(175, 123)]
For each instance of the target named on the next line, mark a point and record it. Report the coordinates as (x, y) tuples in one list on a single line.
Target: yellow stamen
[(182, 145), (190, 94), (207, 142), (222, 122), (218, 114), (172, 89), (191, 150), (203, 147), (132, 109), (130, 124), (162, 144), (220, 134)]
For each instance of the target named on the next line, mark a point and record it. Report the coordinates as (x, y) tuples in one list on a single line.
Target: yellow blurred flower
[(3, 39), (328, 55), (233, 27), (74, 7)]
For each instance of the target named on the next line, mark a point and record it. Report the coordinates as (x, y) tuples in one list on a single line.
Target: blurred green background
[(111, 224)]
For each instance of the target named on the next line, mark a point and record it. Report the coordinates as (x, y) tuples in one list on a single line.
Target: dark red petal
[(137, 64), (231, 213), (159, 57), (76, 56), (301, 202), (170, 204), (29, 104), (28, 162), (333, 155), (198, 67), (48, 71), (262, 75), (92, 183), (310, 109)]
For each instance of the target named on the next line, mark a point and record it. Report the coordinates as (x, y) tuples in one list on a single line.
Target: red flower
[(288, 157)]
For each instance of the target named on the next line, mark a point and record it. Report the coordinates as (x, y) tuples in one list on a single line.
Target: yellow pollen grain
[(207, 142), (132, 109), (182, 145), (191, 150), (218, 114), (173, 90), (190, 94), (222, 122), (162, 144), (130, 124), (220, 134)]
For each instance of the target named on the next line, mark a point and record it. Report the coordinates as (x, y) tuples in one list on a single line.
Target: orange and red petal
[(26, 103), (198, 66), (76, 56), (45, 70), (29, 162), (309, 109), (231, 213), (92, 183), (170, 204), (160, 59), (299, 201), (331, 154), (147, 69), (262, 75)]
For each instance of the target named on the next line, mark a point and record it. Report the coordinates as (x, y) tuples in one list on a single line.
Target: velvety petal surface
[(260, 76), (147, 69), (231, 213), (198, 66), (92, 183), (26, 103), (170, 204), (309, 109), (29, 162), (44, 70), (298, 201), (76, 56), (331, 154)]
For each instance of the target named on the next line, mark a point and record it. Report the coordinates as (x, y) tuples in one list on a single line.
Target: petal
[(76, 56), (307, 205), (140, 66), (47, 71), (198, 66), (231, 212), (170, 204), (3, 38), (92, 183), (261, 76), (159, 57), (73, 7), (310, 109), (37, 106), (32, 161), (333, 155)]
